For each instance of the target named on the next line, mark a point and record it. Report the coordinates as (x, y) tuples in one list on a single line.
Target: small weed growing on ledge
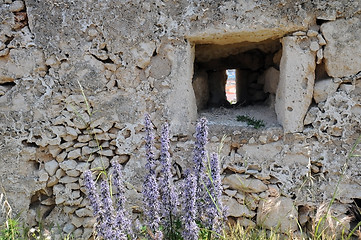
[(251, 121)]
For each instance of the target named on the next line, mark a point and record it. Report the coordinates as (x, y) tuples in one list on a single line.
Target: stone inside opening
[(252, 68)]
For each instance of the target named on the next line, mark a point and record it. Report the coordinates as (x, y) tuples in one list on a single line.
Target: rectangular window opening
[(238, 78)]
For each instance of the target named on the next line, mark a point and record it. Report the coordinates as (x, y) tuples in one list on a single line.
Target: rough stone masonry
[(298, 69)]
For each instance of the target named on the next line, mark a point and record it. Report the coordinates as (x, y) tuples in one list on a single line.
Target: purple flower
[(149, 139), (190, 230), (94, 201), (122, 221), (151, 202), (91, 192), (167, 192), (107, 225), (200, 163)]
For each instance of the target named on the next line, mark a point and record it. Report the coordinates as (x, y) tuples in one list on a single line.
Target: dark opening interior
[(256, 68)]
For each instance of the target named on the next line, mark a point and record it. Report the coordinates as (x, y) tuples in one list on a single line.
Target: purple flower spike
[(94, 201), (200, 163), (91, 191), (122, 219), (149, 140), (108, 223), (190, 231), (151, 202), (167, 192)]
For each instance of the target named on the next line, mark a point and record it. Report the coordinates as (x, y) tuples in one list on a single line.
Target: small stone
[(230, 193), (17, 6), (72, 186), (239, 182), (88, 232), (73, 173), (68, 228), (103, 136), (315, 169), (43, 176), (314, 46), (61, 157), (214, 139), (4, 52), (66, 145), (74, 154), (54, 150), (79, 145), (2, 45), (319, 55), (53, 180), (311, 115), (82, 167), (75, 194), (324, 88), (100, 163), (235, 209), (245, 222), (71, 131), (121, 158), (87, 150), (312, 33), (299, 33), (107, 153), (84, 212), (69, 138), (48, 201), (68, 165), (263, 139), (59, 173), (84, 138), (321, 40), (251, 140), (51, 167), (96, 123), (68, 179), (77, 233), (240, 197)]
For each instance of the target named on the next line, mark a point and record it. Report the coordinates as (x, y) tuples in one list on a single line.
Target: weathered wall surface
[(133, 57)]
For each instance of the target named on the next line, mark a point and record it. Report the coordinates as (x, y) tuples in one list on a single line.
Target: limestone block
[(43, 176), (235, 209), (277, 213), (74, 154), (272, 77), (72, 173), (16, 6), (100, 163), (142, 55), (21, 63), (245, 222), (84, 212), (68, 179), (241, 183), (324, 88), (295, 87), (54, 150), (51, 167), (68, 165), (342, 53)]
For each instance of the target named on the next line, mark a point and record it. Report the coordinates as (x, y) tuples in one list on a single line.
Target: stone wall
[(133, 57)]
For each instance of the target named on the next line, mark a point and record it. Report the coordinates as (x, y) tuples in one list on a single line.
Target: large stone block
[(278, 213), (295, 87), (342, 53), (21, 63)]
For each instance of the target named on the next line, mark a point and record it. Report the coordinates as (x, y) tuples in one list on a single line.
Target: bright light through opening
[(231, 86)]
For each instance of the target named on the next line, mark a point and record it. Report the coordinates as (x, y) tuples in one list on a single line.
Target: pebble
[(51, 167), (74, 154), (68, 165), (17, 6), (314, 46)]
